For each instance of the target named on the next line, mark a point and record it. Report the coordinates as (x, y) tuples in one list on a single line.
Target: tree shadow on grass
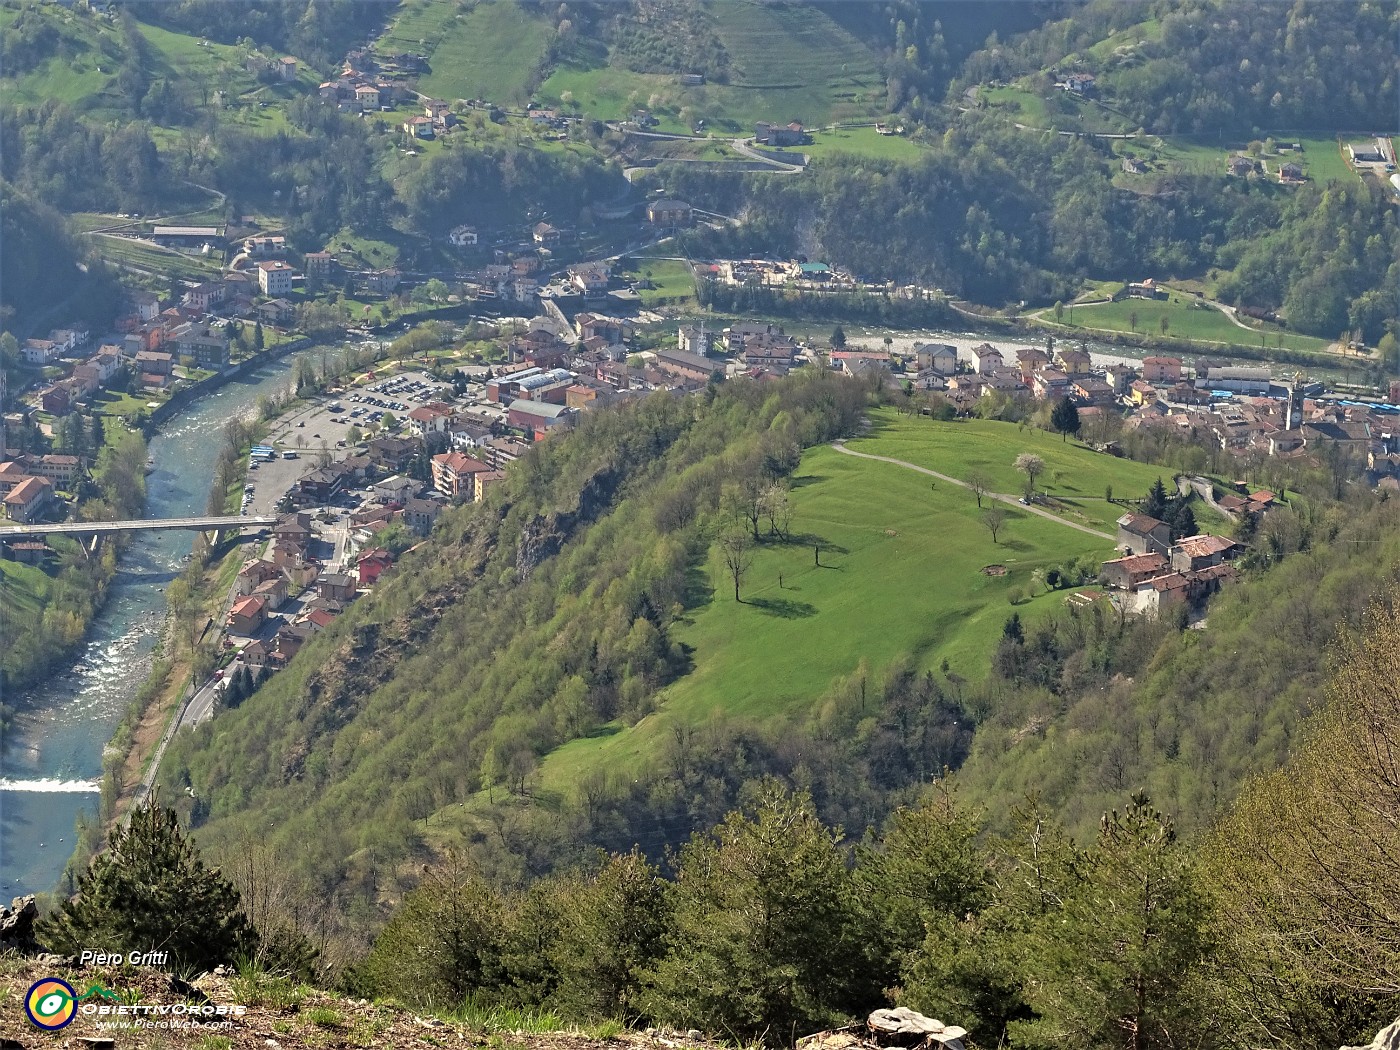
[(785, 608), (804, 480), (699, 590), (1016, 545), (811, 539)]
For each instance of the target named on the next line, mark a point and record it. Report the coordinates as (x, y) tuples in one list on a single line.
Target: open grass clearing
[(900, 577), (150, 257), (493, 51), (787, 62), (1186, 321), (671, 280), (1075, 477), (864, 142)]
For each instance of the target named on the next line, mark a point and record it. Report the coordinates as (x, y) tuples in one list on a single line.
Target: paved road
[(779, 167), (1003, 497)]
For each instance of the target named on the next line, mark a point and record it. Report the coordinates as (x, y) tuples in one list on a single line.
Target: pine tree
[(1155, 505), (1115, 964), (609, 937), (151, 892), (764, 940), (443, 944), (1064, 417), (928, 864), (1182, 519)]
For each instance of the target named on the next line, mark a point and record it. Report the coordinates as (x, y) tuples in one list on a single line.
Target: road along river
[(51, 756)]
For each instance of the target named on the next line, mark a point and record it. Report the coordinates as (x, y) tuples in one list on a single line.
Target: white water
[(48, 785)]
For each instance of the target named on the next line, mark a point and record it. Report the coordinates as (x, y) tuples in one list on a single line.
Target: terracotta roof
[(1139, 562), (1204, 546), (249, 606), (460, 462), (1141, 524)]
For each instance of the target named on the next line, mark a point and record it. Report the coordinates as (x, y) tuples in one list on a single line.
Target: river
[(51, 757)]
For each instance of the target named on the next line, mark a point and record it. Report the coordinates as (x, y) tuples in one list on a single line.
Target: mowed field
[(1187, 322), (900, 577), (493, 51), (864, 142), (787, 63), (1075, 477)]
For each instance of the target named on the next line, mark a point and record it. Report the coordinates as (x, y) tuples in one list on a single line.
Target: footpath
[(1015, 501)]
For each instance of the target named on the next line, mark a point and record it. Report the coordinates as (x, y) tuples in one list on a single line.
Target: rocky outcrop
[(900, 1027), (17, 926), (1388, 1038), (545, 535)]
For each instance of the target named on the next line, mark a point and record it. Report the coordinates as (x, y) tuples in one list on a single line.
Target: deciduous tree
[(1032, 466), (736, 547), (993, 518)]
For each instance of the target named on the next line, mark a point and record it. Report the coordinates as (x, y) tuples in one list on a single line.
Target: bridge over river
[(101, 528)]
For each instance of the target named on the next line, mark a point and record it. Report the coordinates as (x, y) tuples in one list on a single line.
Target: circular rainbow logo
[(51, 1003)]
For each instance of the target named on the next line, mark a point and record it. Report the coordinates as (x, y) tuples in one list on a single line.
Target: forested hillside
[(1220, 65), (998, 215), (555, 602)]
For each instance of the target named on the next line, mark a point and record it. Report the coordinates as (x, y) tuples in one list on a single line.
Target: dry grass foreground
[(278, 1015)]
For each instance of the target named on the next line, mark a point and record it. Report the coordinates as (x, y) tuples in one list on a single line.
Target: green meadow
[(900, 578), (495, 50), (1185, 321), (1075, 477)]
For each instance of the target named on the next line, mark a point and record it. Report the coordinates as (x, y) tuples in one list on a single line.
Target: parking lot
[(323, 425)]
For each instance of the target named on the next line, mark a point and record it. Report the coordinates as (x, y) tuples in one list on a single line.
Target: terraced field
[(493, 51), (786, 63)]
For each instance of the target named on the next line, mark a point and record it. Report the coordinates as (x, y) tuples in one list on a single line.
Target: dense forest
[(996, 215), (43, 268), (1219, 65)]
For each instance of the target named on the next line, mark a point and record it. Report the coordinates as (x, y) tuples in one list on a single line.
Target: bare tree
[(980, 485), (993, 518), (737, 548), (1032, 466)]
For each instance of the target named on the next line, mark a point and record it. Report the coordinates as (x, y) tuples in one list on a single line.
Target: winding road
[(1015, 501)]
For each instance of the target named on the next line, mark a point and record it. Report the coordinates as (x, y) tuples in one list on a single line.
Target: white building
[(463, 237), (275, 277)]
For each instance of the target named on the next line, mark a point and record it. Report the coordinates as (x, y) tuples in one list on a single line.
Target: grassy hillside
[(494, 50), (900, 577), (495, 679), (1075, 477), (786, 62), (1188, 322)]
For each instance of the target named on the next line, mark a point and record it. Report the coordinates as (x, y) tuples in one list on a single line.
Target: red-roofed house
[(454, 474), (1127, 573), (431, 418), (28, 500), (1202, 552), (1143, 534), (247, 615), (372, 563)]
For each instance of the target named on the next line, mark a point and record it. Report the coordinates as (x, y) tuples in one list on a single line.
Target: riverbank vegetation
[(45, 609)]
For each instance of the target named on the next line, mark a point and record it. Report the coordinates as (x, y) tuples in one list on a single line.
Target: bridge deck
[(97, 528)]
